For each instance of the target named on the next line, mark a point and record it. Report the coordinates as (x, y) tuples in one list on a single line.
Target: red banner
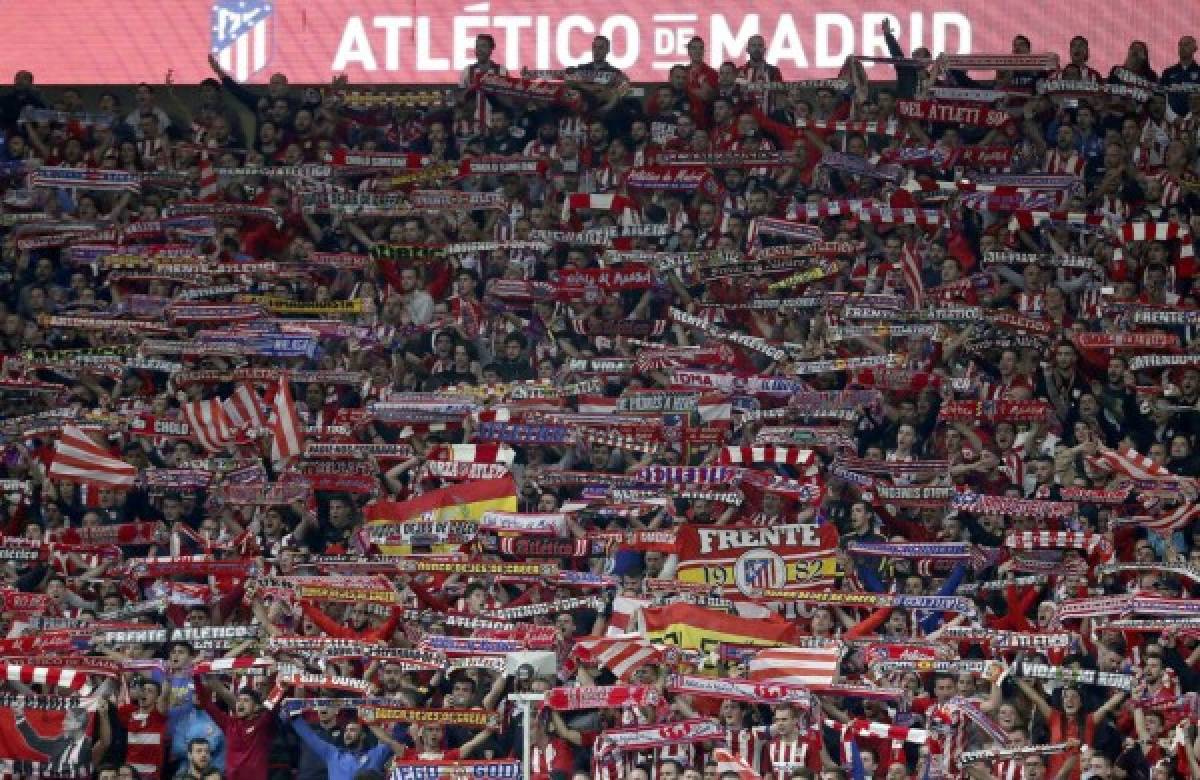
[(382, 42), (741, 559)]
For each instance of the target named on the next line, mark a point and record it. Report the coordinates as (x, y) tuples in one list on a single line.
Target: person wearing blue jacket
[(344, 760)]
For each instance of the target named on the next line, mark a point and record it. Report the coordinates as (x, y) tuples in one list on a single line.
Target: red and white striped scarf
[(808, 212), (1172, 189), (622, 206), (910, 267), (1130, 463), (1159, 231), (1169, 522), (1069, 540), (787, 456), (52, 676), (730, 763), (473, 453)]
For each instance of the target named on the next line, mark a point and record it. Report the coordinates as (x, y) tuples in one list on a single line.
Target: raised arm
[(496, 693), (103, 730), (387, 627), (323, 621), (1068, 768), (325, 750), (1036, 697), (1110, 706), (469, 747), (204, 699), (1189, 747), (220, 690), (385, 738), (565, 731)]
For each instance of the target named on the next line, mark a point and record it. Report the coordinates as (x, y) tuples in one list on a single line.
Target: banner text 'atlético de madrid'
[(410, 42)]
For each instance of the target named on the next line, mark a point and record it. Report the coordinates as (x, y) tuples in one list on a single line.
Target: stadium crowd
[(722, 428)]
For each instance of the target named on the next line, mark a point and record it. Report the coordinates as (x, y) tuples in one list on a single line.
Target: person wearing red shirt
[(1020, 602), (944, 688), (791, 746), (552, 752), (1070, 722), (249, 730), (145, 722)]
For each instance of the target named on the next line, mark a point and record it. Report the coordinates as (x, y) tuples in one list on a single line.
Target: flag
[(245, 409), (208, 423), (241, 36), (621, 655), (728, 762), (1170, 522), (693, 627), (1131, 463), (79, 459), (812, 666), (287, 434), (466, 502), (910, 267)]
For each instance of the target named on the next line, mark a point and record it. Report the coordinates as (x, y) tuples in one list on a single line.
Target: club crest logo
[(241, 36), (759, 568)]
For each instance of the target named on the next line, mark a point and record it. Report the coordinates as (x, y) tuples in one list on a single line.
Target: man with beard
[(327, 727), (1061, 381), (343, 760), (417, 305), (145, 720), (249, 730), (758, 71), (546, 143)]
